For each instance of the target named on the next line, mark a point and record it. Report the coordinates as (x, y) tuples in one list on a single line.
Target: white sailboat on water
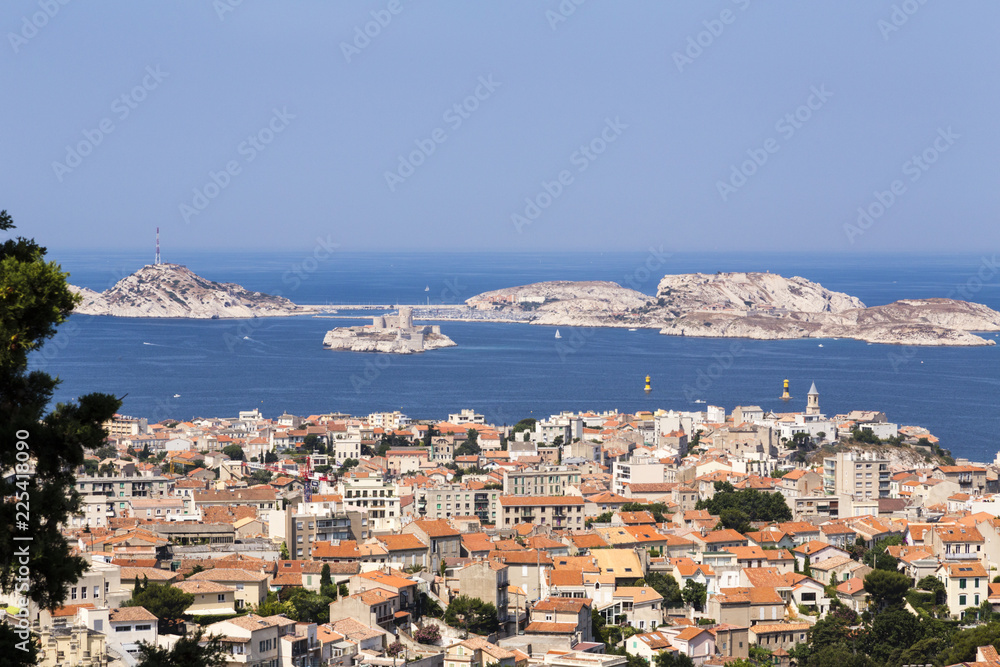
[(558, 335)]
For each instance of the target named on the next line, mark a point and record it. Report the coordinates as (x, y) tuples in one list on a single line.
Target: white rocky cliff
[(172, 290), (764, 306)]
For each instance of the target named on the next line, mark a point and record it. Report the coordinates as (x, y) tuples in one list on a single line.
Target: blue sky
[(488, 125)]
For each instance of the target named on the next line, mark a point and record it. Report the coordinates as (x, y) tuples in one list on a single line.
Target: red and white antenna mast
[(157, 260)]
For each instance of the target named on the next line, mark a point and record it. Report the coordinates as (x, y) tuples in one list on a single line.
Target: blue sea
[(183, 369)]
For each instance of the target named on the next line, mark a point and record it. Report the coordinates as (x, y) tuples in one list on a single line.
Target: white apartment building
[(450, 500), (637, 470), (370, 494), (568, 425), (466, 417), (345, 448)]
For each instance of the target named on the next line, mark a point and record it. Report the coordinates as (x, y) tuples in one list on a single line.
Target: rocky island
[(388, 334), (172, 290), (763, 306)]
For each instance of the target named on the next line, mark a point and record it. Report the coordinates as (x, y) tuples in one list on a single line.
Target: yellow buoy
[(649, 387), (785, 395)]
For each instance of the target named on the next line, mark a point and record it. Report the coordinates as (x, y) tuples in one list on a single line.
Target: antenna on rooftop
[(157, 260)]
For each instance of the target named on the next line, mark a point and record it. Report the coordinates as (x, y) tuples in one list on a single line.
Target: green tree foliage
[(735, 519), (107, 452), (878, 558), (260, 476), (666, 659), (892, 631), (604, 517), (17, 651), (695, 441), (472, 614), (470, 446), (312, 442), (934, 585), (390, 441), (162, 601), (273, 605), (309, 607), (597, 624), (525, 425), (324, 575), (429, 606), (659, 511), (270, 457), (694, 594), (829, 631), (234, 452), (963, 643), (865, 436), (188, 652), (666, 586), (754, 504), (630, 660), (283, 552), (609, 634), (348, 464), (837, 655), (923, 652), (886, 588), (34, 301)]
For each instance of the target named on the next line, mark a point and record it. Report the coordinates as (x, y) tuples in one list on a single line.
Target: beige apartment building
[(546, 481), (856, 475), (555, 511)]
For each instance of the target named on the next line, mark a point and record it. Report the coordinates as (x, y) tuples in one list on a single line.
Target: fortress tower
[(812, 401), (405, 317)]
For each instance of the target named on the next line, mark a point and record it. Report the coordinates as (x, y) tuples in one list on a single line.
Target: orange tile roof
[(551, 628), (435, 527), (346, 549), (402, 542), (762, 628), (753, 595), (563, 604)]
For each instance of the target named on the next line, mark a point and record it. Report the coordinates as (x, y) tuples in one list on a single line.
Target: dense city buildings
[(704, 534)]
